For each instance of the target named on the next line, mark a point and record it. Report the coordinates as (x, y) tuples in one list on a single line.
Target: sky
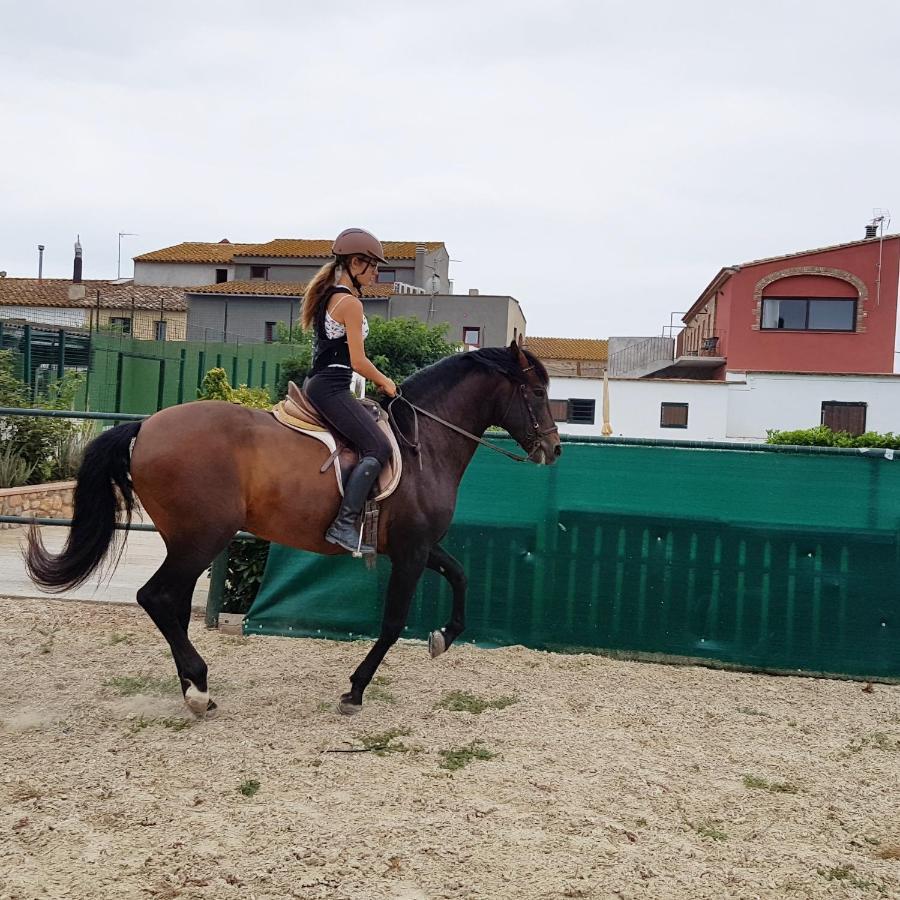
[(599, 161)]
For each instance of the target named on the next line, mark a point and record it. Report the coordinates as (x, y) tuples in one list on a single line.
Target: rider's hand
[(389, 387)]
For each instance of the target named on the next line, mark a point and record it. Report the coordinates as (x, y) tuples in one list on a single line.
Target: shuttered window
[(840, 416), (575, 412), (673, 415)]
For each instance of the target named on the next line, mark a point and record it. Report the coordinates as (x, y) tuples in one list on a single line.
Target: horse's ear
[(520, 357)]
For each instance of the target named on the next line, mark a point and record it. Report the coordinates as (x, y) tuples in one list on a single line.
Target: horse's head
[(525, 408)]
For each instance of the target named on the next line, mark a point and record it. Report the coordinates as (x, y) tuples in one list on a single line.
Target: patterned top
[(335, 329)]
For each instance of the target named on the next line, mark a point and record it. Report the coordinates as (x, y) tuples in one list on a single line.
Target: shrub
[(37, 441), (15, 470), (823, 436), (216, 386)]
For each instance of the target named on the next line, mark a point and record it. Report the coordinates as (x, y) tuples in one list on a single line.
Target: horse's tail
[(103, 470)]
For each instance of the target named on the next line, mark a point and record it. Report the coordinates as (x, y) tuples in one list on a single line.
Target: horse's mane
[(447, 372)]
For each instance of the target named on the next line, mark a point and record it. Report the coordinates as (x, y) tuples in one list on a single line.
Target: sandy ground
[(609, 779)]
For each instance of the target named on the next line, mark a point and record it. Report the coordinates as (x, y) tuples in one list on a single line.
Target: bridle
[(532, 444)]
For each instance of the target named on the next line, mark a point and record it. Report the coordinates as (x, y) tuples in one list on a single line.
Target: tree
[(399, 347)]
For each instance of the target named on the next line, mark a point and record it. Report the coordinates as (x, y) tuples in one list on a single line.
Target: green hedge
[(823, 436)]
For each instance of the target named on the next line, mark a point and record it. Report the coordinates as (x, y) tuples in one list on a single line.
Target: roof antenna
[(881, 220)]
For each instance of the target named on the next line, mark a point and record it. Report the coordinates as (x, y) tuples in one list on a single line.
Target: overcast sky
[(599, 161)]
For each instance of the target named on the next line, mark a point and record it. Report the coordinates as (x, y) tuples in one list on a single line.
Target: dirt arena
[(603, 779)]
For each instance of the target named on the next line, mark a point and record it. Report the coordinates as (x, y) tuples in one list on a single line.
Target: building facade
[(833, 309)]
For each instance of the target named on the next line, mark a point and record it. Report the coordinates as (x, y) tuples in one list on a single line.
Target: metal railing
[(699, 342), (642, 358)]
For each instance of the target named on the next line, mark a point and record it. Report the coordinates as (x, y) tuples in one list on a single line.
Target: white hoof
[(436, 644), (198, 701)]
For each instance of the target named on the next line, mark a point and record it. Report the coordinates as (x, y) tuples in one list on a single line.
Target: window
[(159, 329), (121, 324), (840, 416), (575, 412), (270, 332), (221, 276), (472, 336), (808, 314), (673, 415), (387, 276), (259, 272)]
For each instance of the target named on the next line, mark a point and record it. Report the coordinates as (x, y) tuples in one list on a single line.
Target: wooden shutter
[(840, 416)]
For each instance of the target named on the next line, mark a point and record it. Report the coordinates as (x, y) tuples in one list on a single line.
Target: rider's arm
[(352, 311)]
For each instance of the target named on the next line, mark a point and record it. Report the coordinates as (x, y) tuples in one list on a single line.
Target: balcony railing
[(699, 342)]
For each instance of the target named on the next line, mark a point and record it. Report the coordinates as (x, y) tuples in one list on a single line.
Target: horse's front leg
[(405, 574), (444, 564)]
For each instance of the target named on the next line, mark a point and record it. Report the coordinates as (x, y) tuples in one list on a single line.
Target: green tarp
[(762, 559)]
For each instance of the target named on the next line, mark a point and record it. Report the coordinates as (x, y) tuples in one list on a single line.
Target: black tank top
[(329, 351)]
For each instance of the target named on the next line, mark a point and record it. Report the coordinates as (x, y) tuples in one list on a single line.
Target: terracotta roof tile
[(55, 292), (768, 259), (259, 288), (568, 348), (194, 252), (280, 248)]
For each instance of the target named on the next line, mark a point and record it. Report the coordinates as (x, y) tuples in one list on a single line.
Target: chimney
[(473, 292), (871, 231), (40, 262), (419, 276), (76, 290)]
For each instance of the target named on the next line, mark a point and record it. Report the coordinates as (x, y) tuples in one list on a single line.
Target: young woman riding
[(333, 311)]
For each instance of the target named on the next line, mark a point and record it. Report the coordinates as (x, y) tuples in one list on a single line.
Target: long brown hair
[(322, 280)]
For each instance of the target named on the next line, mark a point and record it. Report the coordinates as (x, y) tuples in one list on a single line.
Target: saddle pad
[(390, 474)]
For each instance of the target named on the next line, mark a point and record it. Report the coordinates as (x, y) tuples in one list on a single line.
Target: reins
[(414, 443)]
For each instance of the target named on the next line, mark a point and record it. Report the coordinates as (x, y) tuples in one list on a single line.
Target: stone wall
[(52, 501)]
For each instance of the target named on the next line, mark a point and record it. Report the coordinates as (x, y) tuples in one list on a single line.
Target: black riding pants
[(329, 392)]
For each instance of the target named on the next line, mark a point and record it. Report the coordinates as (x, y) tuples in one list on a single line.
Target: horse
[(205, 470)]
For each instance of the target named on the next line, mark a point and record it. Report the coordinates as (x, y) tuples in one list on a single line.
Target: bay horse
[(208, 469)]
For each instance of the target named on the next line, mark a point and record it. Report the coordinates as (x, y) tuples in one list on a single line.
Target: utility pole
[(119, 263)]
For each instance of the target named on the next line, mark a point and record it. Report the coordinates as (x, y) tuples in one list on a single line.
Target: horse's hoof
[(347, 707), (198, 701), (436, 644)]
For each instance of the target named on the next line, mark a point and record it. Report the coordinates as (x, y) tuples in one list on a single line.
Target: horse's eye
[(539, 392)]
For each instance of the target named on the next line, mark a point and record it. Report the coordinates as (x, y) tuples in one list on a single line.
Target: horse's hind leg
[(166, 598), (444, 564)]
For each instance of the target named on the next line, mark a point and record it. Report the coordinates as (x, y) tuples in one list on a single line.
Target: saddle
[(296, 412)]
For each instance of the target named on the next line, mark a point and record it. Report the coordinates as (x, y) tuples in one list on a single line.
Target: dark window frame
[(269, 332), (834, 405), (565, 411), (664, 407), (263, 269), (221, 276), (160, 334), (125, 323), (383, 272), (808, 301), (471, 328)]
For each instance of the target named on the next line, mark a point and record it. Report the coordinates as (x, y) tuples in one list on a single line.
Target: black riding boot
[(344, 530)]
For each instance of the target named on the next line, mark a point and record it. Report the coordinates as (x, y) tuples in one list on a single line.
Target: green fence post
[(161, 385), (262, 375), (26, 355), (250, 372), (181, 363), (218, 360), (119, 367), (201, 368), (234, 365), (216, 596), (277, 374), (61, 354)]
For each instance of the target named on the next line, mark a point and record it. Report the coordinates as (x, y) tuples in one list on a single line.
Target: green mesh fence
[(777, 561)]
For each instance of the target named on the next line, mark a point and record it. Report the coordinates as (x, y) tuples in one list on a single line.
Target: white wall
[(47, 315), (742, 408), (179, 274), (759, 401)]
